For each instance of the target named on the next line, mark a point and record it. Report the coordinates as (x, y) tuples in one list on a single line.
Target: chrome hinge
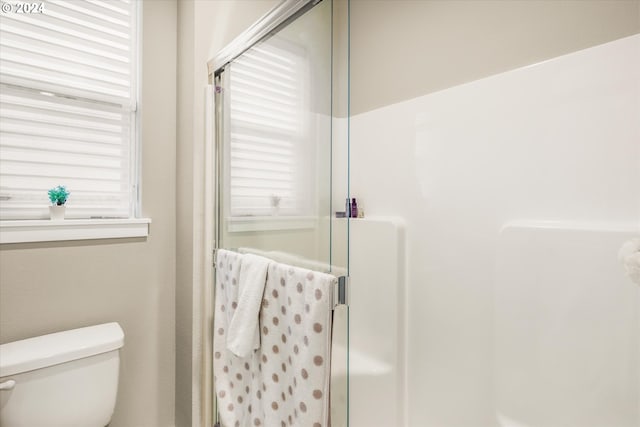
[(341, 291)]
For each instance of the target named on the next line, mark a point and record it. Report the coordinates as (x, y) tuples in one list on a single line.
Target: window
[(269, 132), (68, 101)]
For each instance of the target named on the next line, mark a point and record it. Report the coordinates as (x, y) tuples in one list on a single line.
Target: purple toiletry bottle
[(354, 208)]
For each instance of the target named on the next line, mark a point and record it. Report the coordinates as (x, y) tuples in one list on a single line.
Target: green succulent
[(58, 195)]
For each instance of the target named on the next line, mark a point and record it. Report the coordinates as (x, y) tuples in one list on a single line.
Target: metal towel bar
[(340, 291)]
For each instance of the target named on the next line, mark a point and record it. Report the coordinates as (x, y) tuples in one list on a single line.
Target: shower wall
[(485, 140)]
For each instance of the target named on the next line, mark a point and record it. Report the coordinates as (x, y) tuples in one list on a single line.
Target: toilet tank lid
[(60, 347)]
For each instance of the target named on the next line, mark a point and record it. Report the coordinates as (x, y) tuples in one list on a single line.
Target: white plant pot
[(56, 213)]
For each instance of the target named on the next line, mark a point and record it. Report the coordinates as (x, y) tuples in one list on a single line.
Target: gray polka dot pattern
[(285, 381), (298, 342), (236, 379)]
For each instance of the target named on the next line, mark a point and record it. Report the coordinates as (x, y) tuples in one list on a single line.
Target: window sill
[(25, 231), (270, 223)]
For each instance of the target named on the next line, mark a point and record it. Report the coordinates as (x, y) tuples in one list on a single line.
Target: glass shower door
[(278, 145)]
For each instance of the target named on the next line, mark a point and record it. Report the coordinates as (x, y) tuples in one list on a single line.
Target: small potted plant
[(275, 204), (58, 197)]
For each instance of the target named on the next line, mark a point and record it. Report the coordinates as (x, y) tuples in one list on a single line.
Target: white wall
[(558, 140), (566, 326), (412, 156), (377, 327)]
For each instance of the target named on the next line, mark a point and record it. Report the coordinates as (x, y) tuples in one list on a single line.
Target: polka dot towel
[(286, 381)]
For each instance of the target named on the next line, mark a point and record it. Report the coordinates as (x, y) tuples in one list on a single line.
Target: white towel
[(235, 378), (629, 256), (286, 381), (292, 259), (243, 335), (296, 346)]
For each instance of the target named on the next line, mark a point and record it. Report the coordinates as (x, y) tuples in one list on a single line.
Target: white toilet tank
[(66, 379)]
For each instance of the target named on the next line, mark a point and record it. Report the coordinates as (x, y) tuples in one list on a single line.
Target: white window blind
[(68, 108), (269, 132)]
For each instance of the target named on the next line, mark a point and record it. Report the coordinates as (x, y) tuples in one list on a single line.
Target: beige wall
[(184, 212), (204, 27), (401, 49), (57, 286)]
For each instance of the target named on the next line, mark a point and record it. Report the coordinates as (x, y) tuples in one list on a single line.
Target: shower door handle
[(341, 291)]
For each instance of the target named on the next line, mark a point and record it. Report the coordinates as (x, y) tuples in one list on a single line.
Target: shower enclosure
[(492, 278), (280, 151), (520, 196)]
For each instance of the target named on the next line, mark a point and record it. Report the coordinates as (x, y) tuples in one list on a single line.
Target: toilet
[(65, 379)]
